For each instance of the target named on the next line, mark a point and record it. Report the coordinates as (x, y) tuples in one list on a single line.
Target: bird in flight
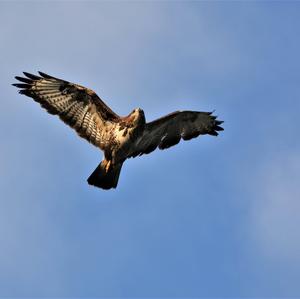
[(118, 137)]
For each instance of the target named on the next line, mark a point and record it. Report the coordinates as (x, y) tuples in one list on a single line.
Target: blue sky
[(213, 217)]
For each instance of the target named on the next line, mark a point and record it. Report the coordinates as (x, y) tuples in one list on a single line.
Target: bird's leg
[(107, 166)]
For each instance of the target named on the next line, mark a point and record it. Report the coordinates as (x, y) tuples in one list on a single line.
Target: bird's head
[(138, 116)]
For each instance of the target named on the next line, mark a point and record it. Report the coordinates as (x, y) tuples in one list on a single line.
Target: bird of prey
[(118, 137)]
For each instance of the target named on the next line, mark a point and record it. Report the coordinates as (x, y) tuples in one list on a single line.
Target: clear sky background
[(209, 217)]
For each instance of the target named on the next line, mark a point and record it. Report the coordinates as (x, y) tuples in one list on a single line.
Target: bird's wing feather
[(77, 106), (168, 130)]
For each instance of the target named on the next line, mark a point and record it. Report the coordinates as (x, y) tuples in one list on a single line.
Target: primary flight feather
[(118, 137)]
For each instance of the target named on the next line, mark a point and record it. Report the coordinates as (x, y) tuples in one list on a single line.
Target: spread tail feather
[(105, 180)]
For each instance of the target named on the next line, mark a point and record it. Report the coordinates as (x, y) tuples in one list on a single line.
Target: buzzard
[(118, 137)]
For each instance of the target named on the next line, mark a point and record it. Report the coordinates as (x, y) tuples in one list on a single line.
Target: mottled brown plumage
[(119, 137)]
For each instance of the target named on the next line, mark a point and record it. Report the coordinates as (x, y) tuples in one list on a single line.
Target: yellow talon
[(107, 166)]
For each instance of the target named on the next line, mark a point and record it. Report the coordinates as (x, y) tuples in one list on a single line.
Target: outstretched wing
[(77, 106), (168, 130)]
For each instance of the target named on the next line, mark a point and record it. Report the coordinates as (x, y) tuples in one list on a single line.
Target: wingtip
[(218, 128), (219, 122), (31, 76), (44, 75), (26, 74), (21, 85), (213, 133), (26, 92)]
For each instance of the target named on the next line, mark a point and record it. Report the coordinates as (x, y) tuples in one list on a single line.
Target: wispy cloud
[(275, 214)]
